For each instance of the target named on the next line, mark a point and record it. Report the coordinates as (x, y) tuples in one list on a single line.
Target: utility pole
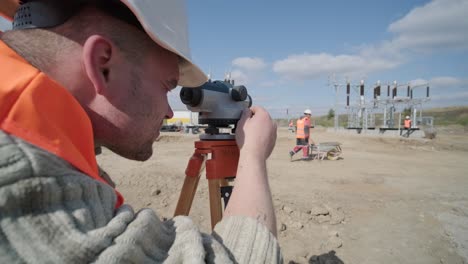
[(336, 106), (336, 89)]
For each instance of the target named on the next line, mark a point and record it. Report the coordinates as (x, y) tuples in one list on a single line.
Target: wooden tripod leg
[(224, 182), (192, 176), (215, 201), (186, 195)]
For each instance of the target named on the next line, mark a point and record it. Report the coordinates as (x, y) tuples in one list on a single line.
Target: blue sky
[(285, 52)]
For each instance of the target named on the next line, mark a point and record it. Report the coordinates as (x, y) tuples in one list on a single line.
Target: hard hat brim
[(190, 75), (167, 26)]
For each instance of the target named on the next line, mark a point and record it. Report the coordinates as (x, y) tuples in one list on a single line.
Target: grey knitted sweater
[(52, 213)]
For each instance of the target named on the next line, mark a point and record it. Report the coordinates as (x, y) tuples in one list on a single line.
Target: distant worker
[(303, 135), (407, 126)]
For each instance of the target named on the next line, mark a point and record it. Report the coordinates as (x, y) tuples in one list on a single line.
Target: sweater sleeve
[(247, 240), (51, 213)]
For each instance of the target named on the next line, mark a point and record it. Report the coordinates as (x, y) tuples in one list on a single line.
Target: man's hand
[(256, 133), (251, 197)]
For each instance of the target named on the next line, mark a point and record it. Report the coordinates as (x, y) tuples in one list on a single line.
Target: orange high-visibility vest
[(300, 130), (37, 109), (407, 123)]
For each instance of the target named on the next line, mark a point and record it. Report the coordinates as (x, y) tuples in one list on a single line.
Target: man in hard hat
[(78, 75), (303, 126), (407, 126)]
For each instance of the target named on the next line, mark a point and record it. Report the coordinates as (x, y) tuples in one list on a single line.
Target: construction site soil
[(389, 200)]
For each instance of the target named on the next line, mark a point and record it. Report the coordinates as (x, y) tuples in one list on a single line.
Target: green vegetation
[(331, 113), (449, 115), (327, 121), (406, 112)]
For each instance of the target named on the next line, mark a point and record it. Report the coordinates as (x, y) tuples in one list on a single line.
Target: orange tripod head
[(220, 153)]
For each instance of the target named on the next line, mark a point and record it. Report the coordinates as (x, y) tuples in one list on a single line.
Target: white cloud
[(247, 70), (313, 66), (442, 82), (418, 82), (440, 24), (240, 77), (249, 64)]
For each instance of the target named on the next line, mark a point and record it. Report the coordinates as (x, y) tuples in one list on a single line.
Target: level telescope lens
[(191, 96)]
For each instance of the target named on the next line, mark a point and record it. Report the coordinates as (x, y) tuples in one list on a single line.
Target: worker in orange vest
[(407, 126), (303, 126), (76, 75)]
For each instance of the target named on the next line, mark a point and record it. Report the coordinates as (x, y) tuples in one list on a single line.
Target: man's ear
[(97, 55)]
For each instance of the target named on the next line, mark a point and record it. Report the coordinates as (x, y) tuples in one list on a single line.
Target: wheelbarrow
[(328, 150)]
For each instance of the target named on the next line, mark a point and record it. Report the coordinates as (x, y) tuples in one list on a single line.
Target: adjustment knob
[(239, 93)]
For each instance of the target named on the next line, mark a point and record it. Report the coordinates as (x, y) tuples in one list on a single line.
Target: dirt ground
[(389, 200)]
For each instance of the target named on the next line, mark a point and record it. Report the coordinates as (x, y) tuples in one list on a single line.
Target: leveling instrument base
[(220, 158)]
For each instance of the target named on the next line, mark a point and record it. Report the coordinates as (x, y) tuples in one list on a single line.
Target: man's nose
[(169, 113)]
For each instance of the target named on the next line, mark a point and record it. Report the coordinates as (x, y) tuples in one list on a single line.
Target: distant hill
[(449, 115), (456, 115)]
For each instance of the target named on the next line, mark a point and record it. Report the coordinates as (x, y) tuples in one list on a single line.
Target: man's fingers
[(254, 109), (260, 112), (246, 114)]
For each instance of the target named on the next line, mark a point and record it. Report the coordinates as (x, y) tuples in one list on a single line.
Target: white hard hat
[(307, 111), (407, 117), (166, 23)]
